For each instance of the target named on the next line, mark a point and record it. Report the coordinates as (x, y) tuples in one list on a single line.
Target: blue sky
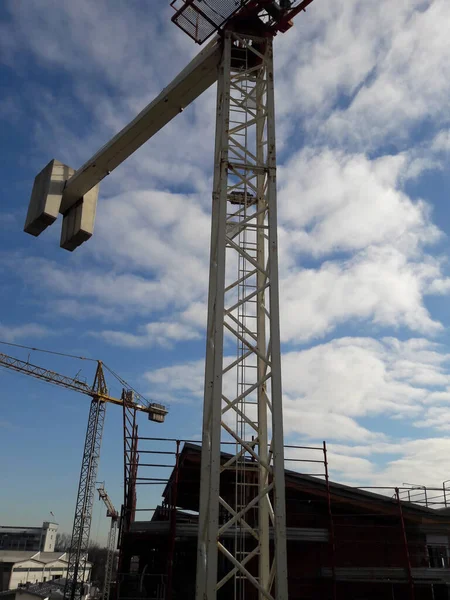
[(363, 144)]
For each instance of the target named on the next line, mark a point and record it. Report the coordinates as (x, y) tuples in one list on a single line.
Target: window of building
[(438, 557), (134, 564)]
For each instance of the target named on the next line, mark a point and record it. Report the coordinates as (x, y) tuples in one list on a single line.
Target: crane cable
[(47, 351), (125, 384)]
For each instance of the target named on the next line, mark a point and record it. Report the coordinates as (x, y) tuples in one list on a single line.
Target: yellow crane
[(91, 454)]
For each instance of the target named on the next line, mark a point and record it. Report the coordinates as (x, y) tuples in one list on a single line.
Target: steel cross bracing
[(79, 544), (243, 376)]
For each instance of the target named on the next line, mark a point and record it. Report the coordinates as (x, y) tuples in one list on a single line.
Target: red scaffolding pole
[(405, 542), (173, 524), (331, 524), (130, 468)]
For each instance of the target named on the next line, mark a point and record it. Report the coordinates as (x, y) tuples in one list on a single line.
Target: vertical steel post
[(206, 578), (79, 544), (242, 401), (405, 543), (263, 516), (130, 467), (331, 522)]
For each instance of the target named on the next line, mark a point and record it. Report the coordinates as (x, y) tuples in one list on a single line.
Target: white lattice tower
[(243, 376)]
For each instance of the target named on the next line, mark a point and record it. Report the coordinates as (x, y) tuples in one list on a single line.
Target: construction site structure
[(344, 542), (79, 544), (112, 513), (242, 398)]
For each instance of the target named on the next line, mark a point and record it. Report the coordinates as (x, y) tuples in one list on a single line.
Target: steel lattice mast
[(243, 390), (79, 544)]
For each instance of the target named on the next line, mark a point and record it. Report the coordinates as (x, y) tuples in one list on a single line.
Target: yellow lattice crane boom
[(86, 488), (156, 412)]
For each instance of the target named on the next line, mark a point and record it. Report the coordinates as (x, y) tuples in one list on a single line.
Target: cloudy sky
[(363, 131)]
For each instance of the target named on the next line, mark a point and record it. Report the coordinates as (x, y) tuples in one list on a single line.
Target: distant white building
[(41, 539), (20, 568)]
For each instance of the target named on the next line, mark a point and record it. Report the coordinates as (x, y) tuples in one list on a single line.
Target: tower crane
[(111, 545), (91, 454), (243, 299)]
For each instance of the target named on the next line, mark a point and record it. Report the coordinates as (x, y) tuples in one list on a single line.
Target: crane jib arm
[(193, 80), (58, 189), (156, 412)]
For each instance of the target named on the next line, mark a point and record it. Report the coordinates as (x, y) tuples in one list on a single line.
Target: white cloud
[(331, 201), (83, 38), (317, 423), (441, 142), (152, 334), (327, 388), (81, 310), (150, 253), (157, 231), (380, 286), (391, 464), (104, 87), (14, 333), (436, 417), (334, 47), (362, 376), (178, 383), (410, 80), (420, 461), (337, 202)]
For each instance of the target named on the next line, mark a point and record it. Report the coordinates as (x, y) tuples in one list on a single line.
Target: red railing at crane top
[(200, 19)]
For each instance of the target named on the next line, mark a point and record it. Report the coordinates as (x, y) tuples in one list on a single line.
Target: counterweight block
[(45, 205), (46, 197), (78, 221)]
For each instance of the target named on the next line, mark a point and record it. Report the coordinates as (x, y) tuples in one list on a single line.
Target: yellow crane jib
[(156, 412)]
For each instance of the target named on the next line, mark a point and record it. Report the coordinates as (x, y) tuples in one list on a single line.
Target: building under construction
[(342, 542)]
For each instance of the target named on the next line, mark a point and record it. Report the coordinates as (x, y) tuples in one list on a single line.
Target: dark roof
[(13, 556), (188, 489)]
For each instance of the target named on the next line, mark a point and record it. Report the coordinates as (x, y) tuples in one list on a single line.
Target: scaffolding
[(158, 478), (349, 542)]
